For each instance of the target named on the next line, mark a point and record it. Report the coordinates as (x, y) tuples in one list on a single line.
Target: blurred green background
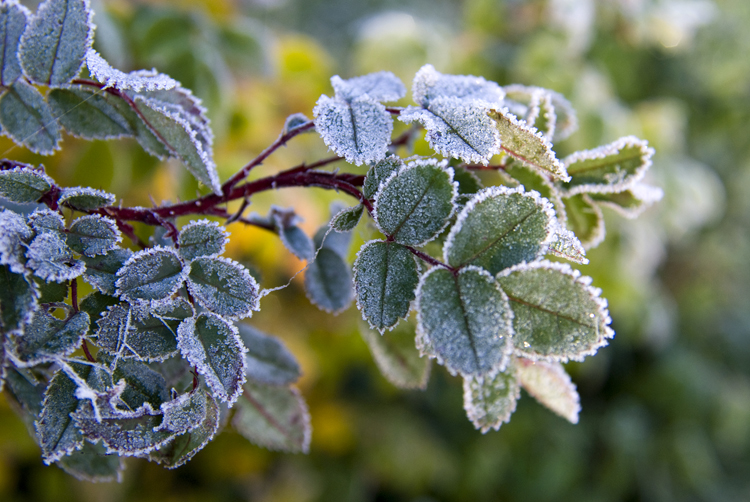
[(665, 407)]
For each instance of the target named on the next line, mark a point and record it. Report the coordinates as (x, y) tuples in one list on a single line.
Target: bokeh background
[(666, 406)]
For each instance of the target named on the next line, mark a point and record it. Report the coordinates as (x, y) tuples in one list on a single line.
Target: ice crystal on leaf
[(141, 80), (223, 286), (151, 274), (23, 184), (13, 20), (52, 260), (489, 400), (202, 238), (27, 119)]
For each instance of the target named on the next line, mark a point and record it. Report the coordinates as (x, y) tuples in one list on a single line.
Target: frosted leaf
[(124, 433), (14, 236), (526, 144), (92, 464), (457, 128), (500, 227), (143, 385), (13, 20), (51, 259), (585, 219), (273, 417), (54, 45), (24, 184), (396, 356), (385, 277), (51, 292), (338, 242), (267, 359), (27, 391), (380, 172), (56, 431), (566, 245), (610, 168), (213, 346), (347, 219), (557, 314), (184, 413), (533, 179), (18, 300), (27, 119), (328, 281), (93, 235), (151, 274), (549, 384), (544, 118), (631, 202), (202, 238), (468, 182), (182, 448), (86, 199), (294, 121), (95, 305), (143, 134), (45, 220), (183, 103), (415, 204), (490, 400), (86, 114), (47, 338), (358, 130), (430, 84), (101, 271), (141, 80), (183, 139), (464, 321), (532, 103), (380, 86), (223, 286), (293, 238)]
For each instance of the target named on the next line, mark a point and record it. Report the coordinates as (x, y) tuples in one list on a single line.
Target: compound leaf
[(397, 357), (87, 114), (549, 384), (85, 198), (93, 235), (18, 300), (273, 417), (91, 463), (13, 20), (557, 314), (53, 47), (385, 277), (27, 119), (151, 274), (464, 320), (101, 271), (414, 205), (202, 238), (608, 168), (268, 360), (24, 184), (56, 431), (47, 338), (52, 260), (223, 286), (213, 346), (490, 400), (500, 227)]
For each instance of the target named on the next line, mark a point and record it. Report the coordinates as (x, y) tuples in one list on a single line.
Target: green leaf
[(185, 412), (464, 320), (101, 271), (347, 219), (268, 360), (213, 346), (45, 220), (92, 464), (223, 286), (95, 305), (273, 417), (27, 119), (414, 205), (490, 400), (148, 140), (527, 145), (143, 385), (51, 292), (585, 219), (54, 44), (27, 391), (566, 245), (610, 168), (13, 20), (57, 433), (85, 113), (202, 238), (397, 357), (546, 110), (468, 182), (93, 235), (293, 238), (430, 84), (151, 274), (557, 314), (51, 259), (631, 202), (24, 184), (328, 281), (85, 199), (499, 228), (183, 140), (549, 384), (14, 240), (140, 80), (182, 448), (381, 86), (18, 300), (47, 338), (380, 172), (385, 277)]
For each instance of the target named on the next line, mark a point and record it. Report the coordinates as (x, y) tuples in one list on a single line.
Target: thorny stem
[(74, 294)]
